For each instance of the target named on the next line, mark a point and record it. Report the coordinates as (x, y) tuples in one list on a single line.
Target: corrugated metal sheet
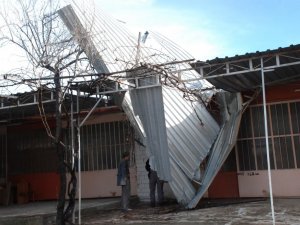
[(148, 104), (189, 140), (80, 24), (243, 72), (79, 31), (110, 46), (232, 114), (178, 132)]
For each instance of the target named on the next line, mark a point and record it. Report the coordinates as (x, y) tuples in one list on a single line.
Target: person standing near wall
[(154, 182), (123, 179)]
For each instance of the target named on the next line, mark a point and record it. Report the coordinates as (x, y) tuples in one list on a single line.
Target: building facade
[(28, 158), (245, 173)]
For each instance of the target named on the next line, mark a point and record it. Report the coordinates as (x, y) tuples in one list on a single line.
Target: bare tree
[(52, 54)]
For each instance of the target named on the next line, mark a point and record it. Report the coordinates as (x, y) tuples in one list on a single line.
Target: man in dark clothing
[(123, 179), (154, 182)]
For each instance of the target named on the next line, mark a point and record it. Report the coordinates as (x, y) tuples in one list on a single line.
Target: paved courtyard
[(106, 211), (287, 211)]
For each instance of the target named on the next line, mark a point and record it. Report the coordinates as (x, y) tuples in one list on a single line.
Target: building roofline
[(256, 54)]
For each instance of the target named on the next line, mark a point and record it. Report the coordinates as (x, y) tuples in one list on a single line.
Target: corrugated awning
[(242, 73)]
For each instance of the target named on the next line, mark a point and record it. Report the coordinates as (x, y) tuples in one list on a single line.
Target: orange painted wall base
[(225, 185), (35, 187)]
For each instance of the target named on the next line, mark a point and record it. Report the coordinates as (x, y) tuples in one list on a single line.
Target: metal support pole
[(79, 160), (267, 138), (79, 124), (6, 157), (72, 144), (90, 112), (138, 50), (72, 133), (79, 176)]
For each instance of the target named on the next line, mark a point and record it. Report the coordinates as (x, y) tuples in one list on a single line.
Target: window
[(261, 154), (258, 122), (246, 128), (295, 112), (30, 151), (280, 119), (283, 152), (297, 149), (246, 155), (33, 151), (102, 144), (284, 137)]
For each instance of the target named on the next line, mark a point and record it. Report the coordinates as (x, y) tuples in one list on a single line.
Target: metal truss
[(26, 99), (228, 67)]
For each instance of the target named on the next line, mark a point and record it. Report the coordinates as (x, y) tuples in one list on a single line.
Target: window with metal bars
[(284, 137), (102, 144), (30, 151)]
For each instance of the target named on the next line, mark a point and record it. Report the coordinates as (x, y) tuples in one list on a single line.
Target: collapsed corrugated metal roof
[(178, 130), (231, 108)]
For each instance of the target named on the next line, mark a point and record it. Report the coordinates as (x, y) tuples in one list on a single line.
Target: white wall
[(103, 183), (143, 191), (286, 183), (142, 175)]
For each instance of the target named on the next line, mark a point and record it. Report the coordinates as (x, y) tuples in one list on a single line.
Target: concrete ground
[(43, 213), (106, 211), (287, 211)]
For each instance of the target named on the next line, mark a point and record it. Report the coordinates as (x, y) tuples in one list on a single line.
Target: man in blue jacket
[(123, 179)]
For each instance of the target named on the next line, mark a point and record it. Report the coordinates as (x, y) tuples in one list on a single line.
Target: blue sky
[(205, 28), (214, 28)]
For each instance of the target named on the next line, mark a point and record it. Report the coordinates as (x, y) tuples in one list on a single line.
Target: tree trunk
[(60, 152), (62, 190)]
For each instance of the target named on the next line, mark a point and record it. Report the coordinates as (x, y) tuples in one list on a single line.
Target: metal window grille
[(102, 144), (30, 152), (284, 137)]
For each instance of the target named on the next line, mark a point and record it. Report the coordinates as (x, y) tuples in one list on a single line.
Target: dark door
[(225, 184)]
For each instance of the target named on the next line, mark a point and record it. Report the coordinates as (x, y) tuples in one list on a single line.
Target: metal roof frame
[(242, 73)]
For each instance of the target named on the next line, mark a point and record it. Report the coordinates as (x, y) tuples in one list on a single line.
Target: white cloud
[(182, 27), (186, 29)]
